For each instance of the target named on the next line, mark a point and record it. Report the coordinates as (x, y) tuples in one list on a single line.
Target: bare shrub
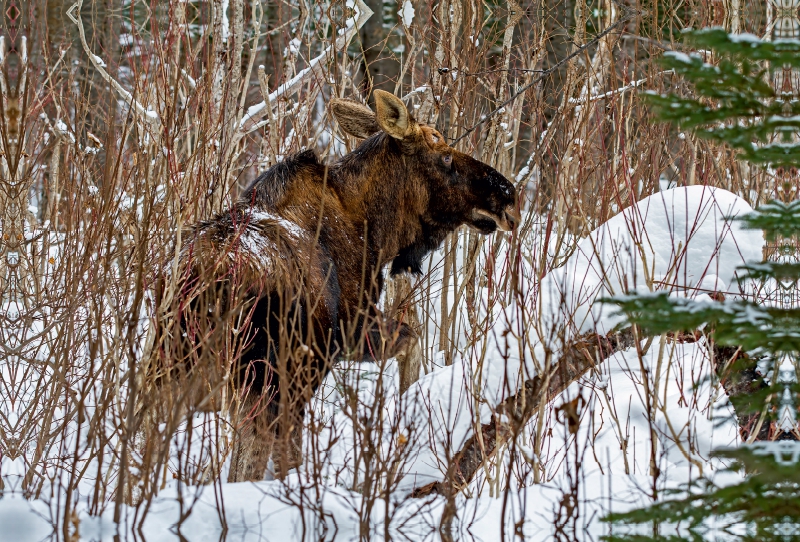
[(125, 123)]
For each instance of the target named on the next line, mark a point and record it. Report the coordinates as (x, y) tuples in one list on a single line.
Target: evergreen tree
[(737, 101), (743, 101)]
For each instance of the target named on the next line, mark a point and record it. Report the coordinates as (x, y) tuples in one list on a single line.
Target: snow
[(745, 37), (419, 90), (254, 110), (258, 247), (676, 236), (226, 28), (680, 57), (678, 239), (126, 39), (61, 128), (258, 216), (24, 521), (613, 478), (406, 13)]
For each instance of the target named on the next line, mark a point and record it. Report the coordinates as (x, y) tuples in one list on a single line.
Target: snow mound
[(673, 240), (670, 240)]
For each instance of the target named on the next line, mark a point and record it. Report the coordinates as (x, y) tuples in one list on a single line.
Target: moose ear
[(355, 119), (392, 115)]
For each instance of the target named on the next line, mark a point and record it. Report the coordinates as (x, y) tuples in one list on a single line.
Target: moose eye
[(447, 159)]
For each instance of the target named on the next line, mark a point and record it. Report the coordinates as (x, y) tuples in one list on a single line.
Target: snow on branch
[(149, 116), (610, 93), (419, 91), (315, 66)]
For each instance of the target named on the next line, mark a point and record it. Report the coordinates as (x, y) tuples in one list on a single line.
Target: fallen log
[(747, 391), (744, 385), (578, 357), (737, 371)]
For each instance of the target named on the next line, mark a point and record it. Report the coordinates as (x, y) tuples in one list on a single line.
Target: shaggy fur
[(300, 255)]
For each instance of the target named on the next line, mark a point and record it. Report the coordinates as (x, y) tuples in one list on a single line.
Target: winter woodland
[(538, 409)]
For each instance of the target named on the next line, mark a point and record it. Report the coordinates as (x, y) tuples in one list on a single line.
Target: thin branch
[(545, 73), (315, 66), (615, 92), (151, 117)]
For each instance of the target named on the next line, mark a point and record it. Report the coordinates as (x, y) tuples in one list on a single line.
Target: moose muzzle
[(510, 218), (507, 220)]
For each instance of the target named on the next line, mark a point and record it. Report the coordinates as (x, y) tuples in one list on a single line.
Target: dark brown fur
[(301, 255)]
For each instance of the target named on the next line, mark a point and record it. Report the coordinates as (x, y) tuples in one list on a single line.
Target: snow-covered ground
[(677, 240), (693, 418)]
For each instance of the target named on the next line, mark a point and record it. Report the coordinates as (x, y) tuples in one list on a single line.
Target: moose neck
[(379, 194)]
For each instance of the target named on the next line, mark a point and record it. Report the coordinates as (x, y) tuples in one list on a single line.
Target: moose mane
[(269, 189)]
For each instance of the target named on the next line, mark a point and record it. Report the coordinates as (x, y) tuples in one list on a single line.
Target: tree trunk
[(382, 68)]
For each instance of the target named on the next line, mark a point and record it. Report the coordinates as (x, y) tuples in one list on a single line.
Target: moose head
[(440, 187)]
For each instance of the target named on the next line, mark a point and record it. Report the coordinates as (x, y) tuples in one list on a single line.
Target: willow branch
[(150, 117), (546, 73), (315, 66)]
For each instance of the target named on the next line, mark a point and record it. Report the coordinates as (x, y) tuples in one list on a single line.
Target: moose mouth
[(487, 222)]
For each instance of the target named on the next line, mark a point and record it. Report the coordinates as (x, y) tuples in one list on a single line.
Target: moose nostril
[(512, 215)]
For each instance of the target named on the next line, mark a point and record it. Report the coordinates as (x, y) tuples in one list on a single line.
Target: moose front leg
[(255, 425), (287, 452), (397, 340)]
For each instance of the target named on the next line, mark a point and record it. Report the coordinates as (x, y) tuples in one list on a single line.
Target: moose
[(290, 275)]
